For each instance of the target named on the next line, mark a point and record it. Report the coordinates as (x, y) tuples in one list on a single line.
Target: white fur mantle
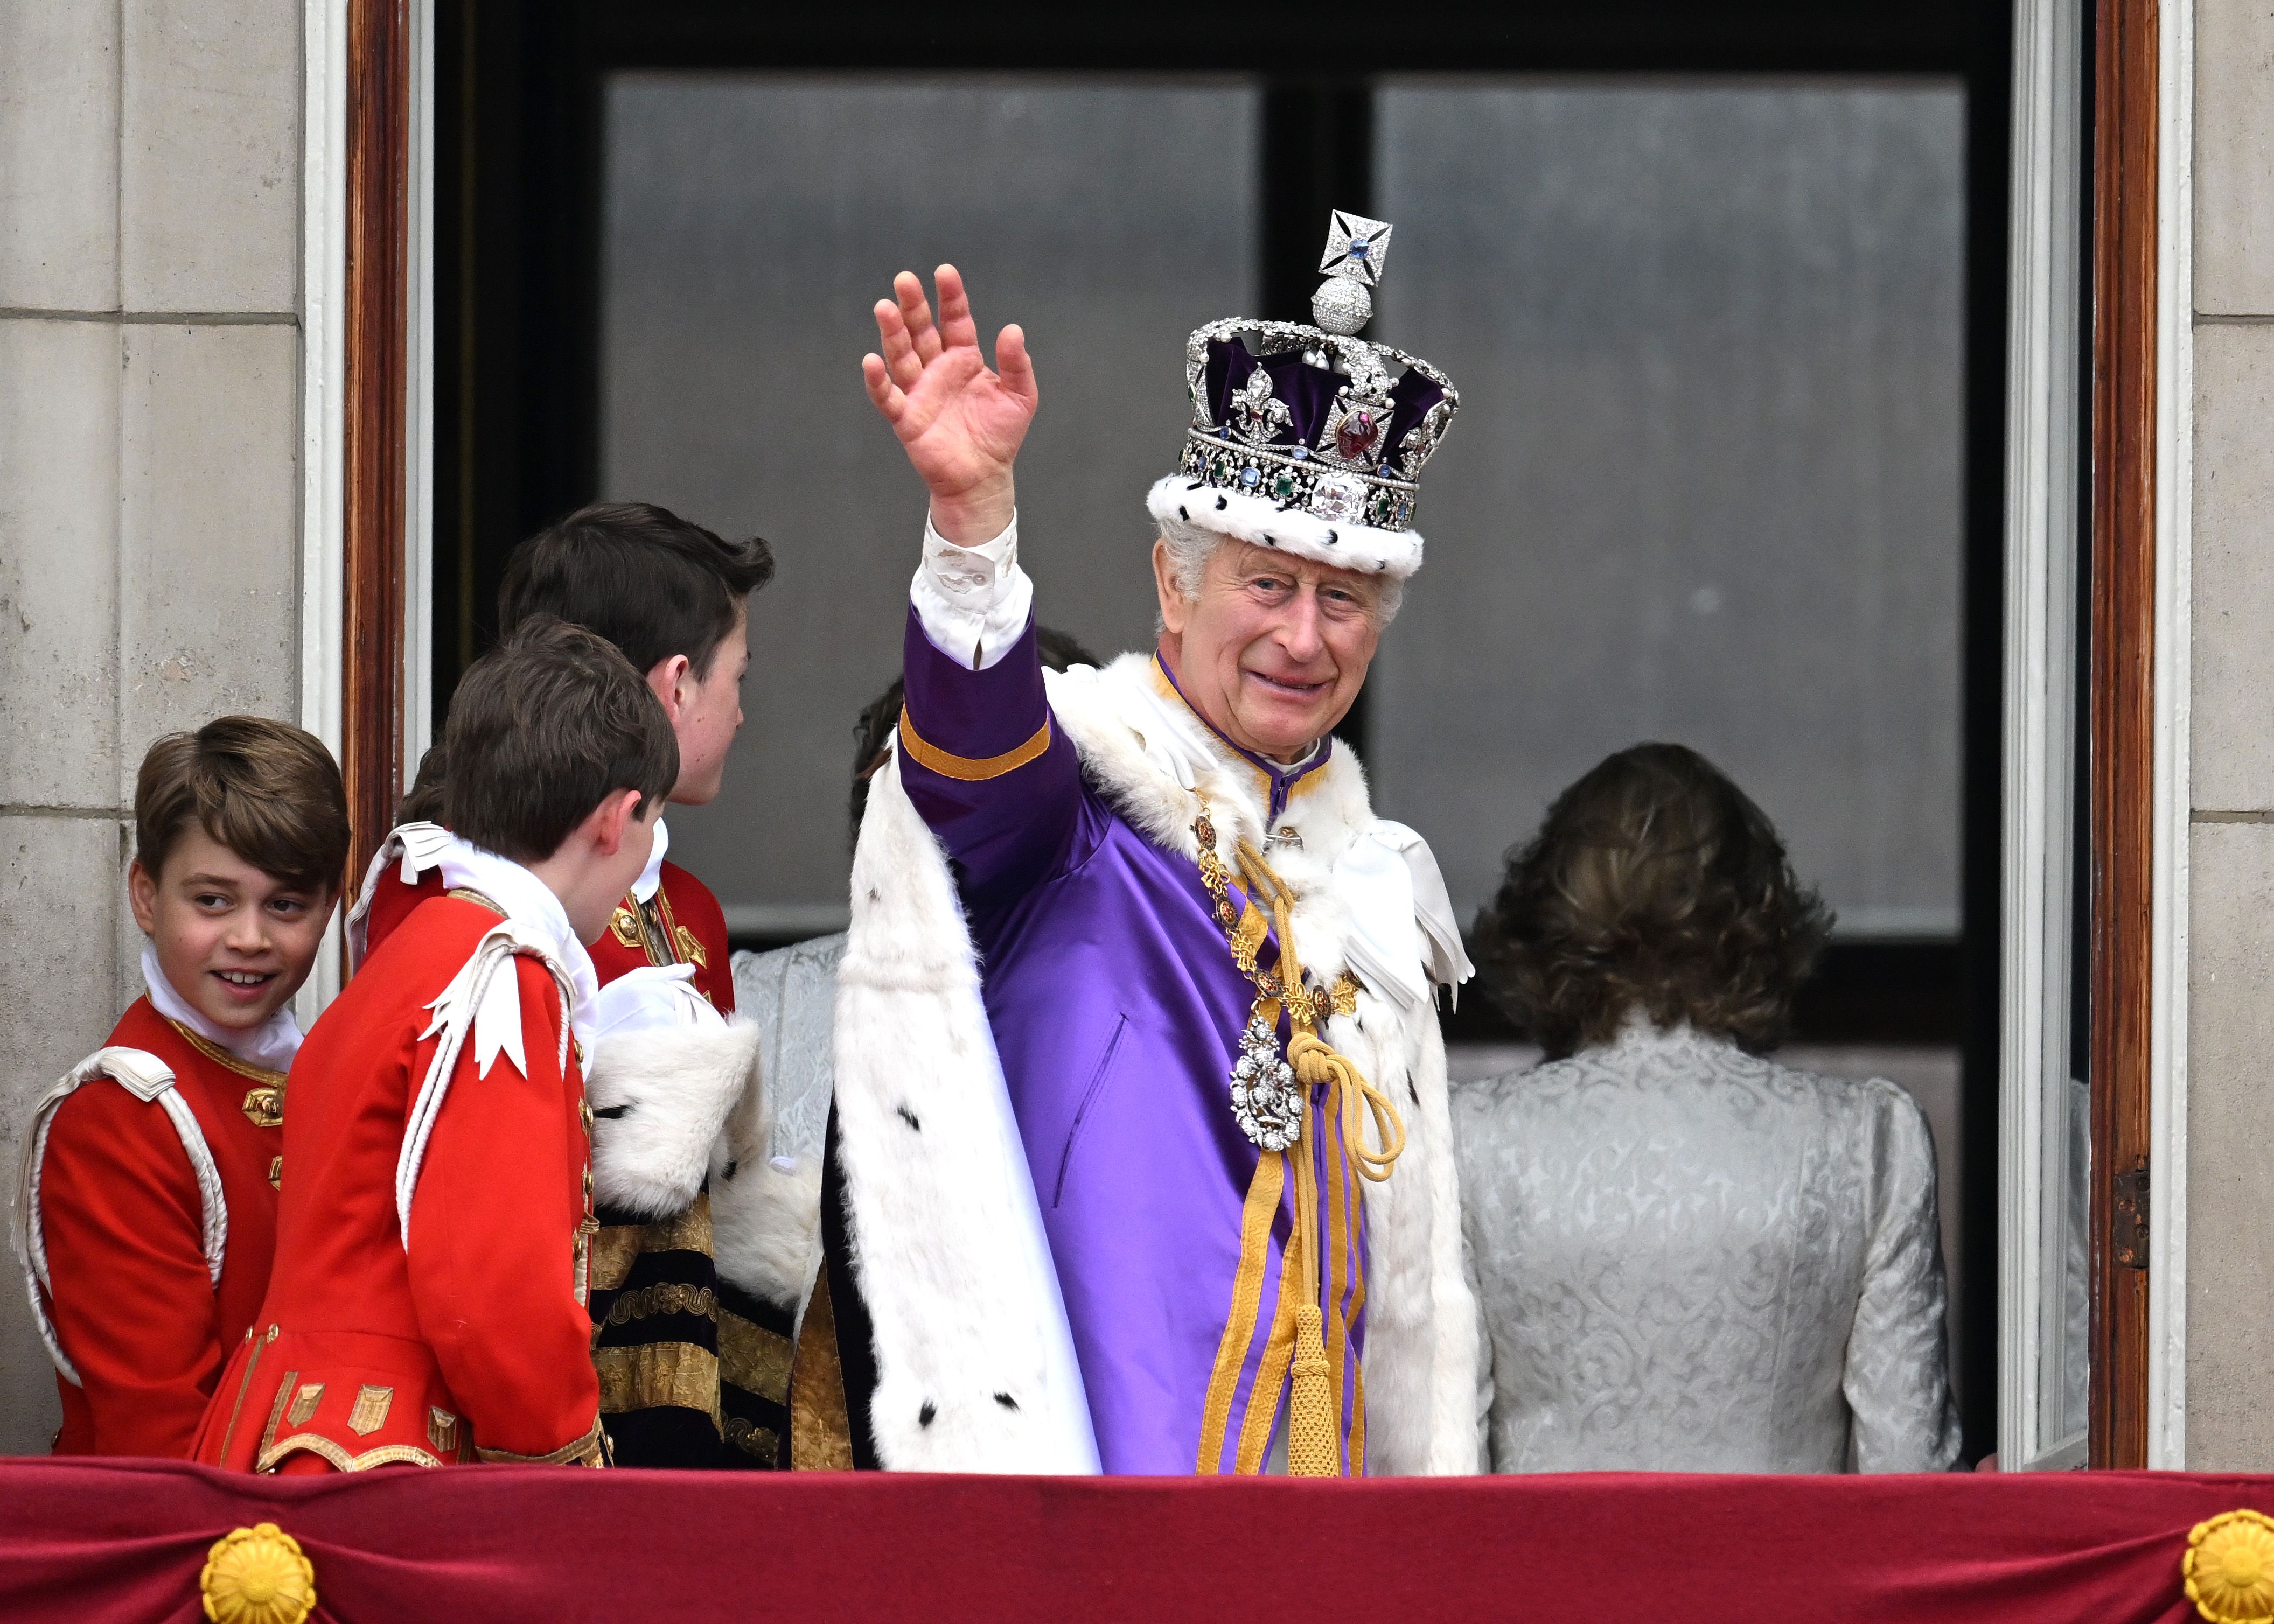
[(975, 1369)]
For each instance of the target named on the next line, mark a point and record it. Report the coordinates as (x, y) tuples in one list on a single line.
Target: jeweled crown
[(1315, 420)]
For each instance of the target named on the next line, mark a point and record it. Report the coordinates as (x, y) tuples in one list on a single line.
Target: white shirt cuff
[(973, 601)]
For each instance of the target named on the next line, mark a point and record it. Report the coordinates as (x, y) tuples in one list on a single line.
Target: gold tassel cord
[(1312, 1446), (1333, 1092), (1314, 1430)]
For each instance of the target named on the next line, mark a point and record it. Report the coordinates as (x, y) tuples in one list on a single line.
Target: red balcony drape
[(86, 1540)]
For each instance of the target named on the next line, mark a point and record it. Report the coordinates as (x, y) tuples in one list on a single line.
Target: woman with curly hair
[(1688, 1258)]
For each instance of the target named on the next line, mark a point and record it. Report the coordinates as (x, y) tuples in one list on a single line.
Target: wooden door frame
[(375, 450), (2133, 780)]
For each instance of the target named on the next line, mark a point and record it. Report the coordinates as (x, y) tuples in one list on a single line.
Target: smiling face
[(705, 712), (233, 940), (1273, 649)]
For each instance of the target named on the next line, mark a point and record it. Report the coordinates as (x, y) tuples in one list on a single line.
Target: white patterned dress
[(1691, 1258)]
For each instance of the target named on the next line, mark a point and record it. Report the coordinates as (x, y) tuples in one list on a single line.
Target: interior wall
[(150, 161)]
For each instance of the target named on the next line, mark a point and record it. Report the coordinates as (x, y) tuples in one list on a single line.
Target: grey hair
[(1191, 545)]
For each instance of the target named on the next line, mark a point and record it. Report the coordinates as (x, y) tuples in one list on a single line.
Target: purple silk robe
[(1117, 1011)]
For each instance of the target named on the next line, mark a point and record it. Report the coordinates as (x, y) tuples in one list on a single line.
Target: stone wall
[(150, 292), (2231, 1062)]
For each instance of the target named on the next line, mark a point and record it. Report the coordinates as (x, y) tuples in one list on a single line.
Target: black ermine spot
[(909, 1117), (1183, 515), (610, 1113), (1006, 1401), (729, 1173), (924, 1415), (1411, 1093), (874, 896), (1221, 504)]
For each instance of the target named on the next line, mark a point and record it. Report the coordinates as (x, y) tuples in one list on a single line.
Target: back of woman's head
[(1653, 885)]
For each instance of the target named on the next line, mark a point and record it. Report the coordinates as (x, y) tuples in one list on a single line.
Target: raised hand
[(960, 424)]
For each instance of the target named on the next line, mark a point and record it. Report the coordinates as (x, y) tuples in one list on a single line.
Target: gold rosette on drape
[(258, 1576), (2229, 1567)]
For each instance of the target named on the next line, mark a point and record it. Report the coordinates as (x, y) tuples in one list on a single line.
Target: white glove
[(651, 998)]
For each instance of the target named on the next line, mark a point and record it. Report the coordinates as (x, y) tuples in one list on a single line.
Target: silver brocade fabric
[(792, 994), (1692, 1259)]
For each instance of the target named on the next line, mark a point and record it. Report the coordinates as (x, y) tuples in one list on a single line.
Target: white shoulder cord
[(149, 1080), (480, 1001)]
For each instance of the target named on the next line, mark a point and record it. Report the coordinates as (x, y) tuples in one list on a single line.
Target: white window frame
[(2048, 339)]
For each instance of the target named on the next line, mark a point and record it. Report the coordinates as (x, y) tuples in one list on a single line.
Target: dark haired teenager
[(674, 597), (148, 1207), (427, 1304), (1688, 1258), (692, 1352)]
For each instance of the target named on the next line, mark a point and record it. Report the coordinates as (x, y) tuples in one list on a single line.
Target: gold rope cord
[(1314, 1415), (1270, 1376), (1263, 1191), (1301, 1330)]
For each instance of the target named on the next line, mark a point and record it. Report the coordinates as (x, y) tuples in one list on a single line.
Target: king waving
[(1140, 1159)]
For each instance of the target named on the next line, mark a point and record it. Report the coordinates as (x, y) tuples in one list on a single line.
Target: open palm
[(961, 423)]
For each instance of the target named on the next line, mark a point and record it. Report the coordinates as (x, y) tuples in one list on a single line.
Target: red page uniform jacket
[(146, 1219), (427, 1304), (697, 1265)]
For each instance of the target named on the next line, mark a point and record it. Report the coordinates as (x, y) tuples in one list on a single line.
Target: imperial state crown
[(1311, 438)]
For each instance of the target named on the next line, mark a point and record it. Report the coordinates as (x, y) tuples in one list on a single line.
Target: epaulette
[(484, 1001), (150, 1080)]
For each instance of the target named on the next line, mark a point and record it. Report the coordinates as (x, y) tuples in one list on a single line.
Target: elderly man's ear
[(1174, 607)]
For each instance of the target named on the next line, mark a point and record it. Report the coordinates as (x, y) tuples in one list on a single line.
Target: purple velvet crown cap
[(1309, 392), (1306, 439)]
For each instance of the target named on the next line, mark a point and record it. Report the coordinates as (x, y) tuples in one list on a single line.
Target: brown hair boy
[(147, 1210)]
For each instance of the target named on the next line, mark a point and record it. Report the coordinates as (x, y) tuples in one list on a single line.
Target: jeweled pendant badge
[(1265, 1101)]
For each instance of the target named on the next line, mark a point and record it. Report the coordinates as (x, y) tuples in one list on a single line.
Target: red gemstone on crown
[(1355, 435)]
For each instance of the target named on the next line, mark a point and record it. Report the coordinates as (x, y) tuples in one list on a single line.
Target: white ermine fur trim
[(1394, 554), (974, 1364), (661, 1099), (150, 1080), (931, 1208), (766, 1228)]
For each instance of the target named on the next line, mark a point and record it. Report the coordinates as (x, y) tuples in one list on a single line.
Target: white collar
[(526, 899), (270, 1045), (644, 889)]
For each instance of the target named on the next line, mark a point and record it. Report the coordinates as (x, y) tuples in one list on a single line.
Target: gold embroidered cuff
[(590, 1450), (964, 768)]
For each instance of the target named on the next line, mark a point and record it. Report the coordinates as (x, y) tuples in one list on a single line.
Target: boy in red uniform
[(674, 597), (146, 1208), (427, 1303)]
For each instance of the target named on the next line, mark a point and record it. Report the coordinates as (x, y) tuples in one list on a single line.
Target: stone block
[(60, 882), (59, 155), (59, 562), (2234, 570), (209, 155), (2230, 1143), (2234, 155), (208, 538)]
